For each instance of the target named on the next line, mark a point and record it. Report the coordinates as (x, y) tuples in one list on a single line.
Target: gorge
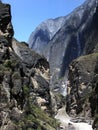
[(72, 55), (53, 85)]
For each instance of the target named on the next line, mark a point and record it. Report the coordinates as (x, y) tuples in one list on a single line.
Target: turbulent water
[(67, 124), (63, 88)]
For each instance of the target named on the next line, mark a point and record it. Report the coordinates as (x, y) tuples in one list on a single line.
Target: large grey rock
[(27, 55)]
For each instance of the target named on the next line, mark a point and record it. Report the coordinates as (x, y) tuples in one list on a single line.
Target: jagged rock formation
[(24, 83), (6, 28), (82, 95), (81, 76)]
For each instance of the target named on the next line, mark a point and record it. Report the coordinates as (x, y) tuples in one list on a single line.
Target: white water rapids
[(67, 124)]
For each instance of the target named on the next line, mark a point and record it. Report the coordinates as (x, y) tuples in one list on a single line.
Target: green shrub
[(8, 63), (26, 90)]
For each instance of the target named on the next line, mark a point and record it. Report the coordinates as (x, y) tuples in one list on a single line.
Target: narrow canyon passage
[(67, 124)]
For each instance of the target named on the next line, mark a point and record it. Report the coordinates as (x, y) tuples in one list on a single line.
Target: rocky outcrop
[(24, 83), (25, 92), (6, 28), (29, 57), (81, 87), (82, 95)]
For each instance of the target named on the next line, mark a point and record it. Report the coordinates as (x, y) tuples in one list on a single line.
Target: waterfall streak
[(78, 44)]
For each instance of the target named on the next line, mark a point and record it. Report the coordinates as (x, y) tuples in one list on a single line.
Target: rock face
[(69, 42), (24, 83), (82, 89), (6, 28), (82, 98), (44, 33)]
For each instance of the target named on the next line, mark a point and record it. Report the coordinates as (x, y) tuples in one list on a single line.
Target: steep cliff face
[(6, 28), (82, 98), (69, 42), (24, 83), (44, 33), (81, 77)]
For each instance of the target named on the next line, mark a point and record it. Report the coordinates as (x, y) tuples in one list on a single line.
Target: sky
[(28, 14)]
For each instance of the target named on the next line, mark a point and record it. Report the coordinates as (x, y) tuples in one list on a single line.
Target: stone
[(6, 28)]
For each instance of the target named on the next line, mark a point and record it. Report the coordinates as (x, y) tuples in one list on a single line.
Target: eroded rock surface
[(81, 76), (82, 98), (24, 83), (44, 33), (6, 28)]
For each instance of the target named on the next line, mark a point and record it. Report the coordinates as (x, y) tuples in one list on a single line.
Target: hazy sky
[(28, 14)]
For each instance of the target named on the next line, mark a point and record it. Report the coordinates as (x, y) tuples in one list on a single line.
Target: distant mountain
[(44, 33), (61, 40)]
